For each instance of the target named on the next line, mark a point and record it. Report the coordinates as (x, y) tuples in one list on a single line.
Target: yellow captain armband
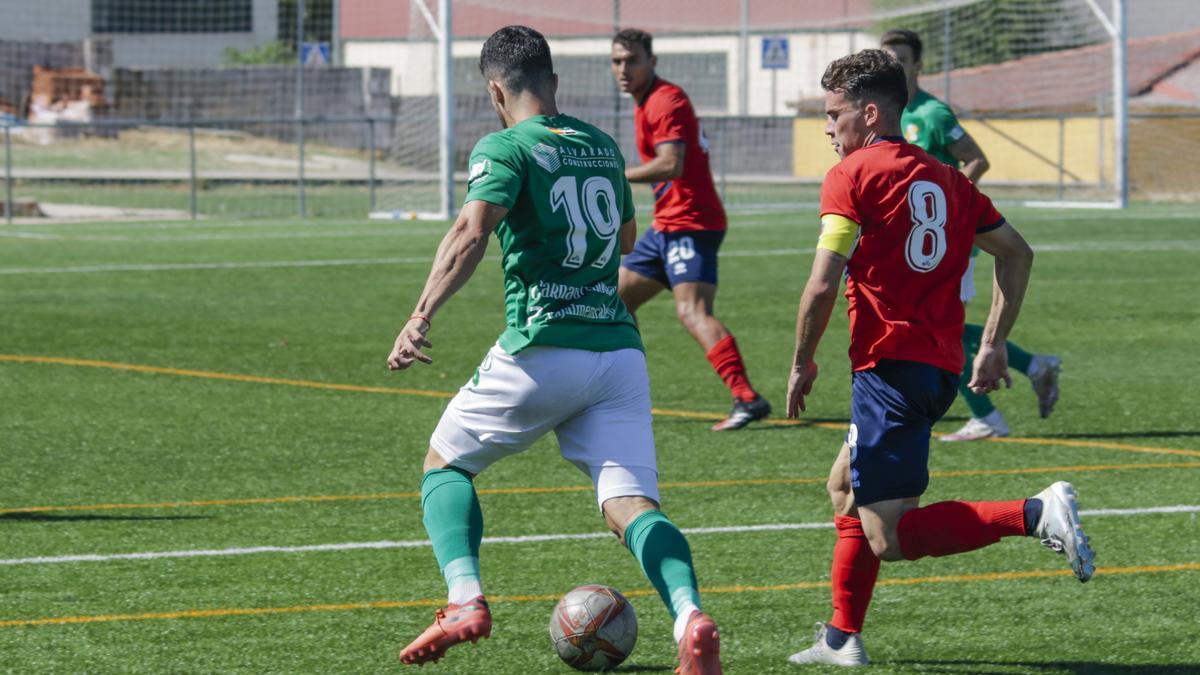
[(838, 234)]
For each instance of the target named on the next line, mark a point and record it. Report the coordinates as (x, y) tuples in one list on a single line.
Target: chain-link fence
[(116, 112)]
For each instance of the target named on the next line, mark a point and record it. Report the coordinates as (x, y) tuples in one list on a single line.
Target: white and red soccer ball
[(593, 628)]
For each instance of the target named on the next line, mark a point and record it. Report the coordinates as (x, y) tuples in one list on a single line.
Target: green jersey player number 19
[(569, 361), (564, 185)]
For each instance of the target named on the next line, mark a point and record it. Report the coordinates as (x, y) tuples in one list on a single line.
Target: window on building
[(172, 16)]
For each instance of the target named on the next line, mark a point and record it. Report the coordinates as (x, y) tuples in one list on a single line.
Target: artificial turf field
[(184, 387)]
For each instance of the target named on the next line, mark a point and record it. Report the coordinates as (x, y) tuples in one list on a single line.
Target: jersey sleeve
[(944, 126), (669, 118), (496, 172), (838, 198), (627, 209), (983, 214)]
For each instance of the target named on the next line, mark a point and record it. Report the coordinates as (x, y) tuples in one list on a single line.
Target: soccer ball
[(593, 628)]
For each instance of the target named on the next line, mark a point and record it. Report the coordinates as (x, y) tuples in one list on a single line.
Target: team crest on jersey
[(479, 171), (546, 157), (562, 131), (912, 132)]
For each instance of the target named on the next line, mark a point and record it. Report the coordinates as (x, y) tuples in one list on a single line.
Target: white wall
[(414, 63), (45, 20), (70, 20)]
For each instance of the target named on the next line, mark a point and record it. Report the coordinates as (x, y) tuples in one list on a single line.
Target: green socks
[(1018, 359), (454, 522), (667, 561)]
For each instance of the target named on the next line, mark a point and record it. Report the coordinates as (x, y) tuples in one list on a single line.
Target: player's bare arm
[(628, 236), (666, 165), (816, 306), (457, 257), (974, 162), (1014, 261)]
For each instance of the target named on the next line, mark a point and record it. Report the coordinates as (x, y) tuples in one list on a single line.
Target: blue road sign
[(314, 53), (775, 53)]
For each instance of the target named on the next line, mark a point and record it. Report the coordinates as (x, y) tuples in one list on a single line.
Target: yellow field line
[(559, 489), (437, 602), (207, 374), (663, 412), (1097, 444)]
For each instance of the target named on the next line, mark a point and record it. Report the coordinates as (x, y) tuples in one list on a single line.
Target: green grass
[(1113, 293)]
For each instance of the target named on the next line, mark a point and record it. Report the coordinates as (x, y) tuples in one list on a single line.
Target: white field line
[(224, 236), (1170, 245), (153, 267), (528, 539)]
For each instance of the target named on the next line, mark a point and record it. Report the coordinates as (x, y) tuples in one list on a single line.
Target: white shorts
[(966, 290), (596, 403)]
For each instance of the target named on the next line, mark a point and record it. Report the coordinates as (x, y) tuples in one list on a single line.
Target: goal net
[(242, 108), (1031, 80)]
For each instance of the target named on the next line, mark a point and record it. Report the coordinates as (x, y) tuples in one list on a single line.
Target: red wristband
[(422, 316)]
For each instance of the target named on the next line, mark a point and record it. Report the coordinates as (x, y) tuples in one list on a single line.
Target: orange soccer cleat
[(451, 626), (699, 650)]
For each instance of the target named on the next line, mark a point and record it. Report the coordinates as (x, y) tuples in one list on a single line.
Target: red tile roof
[(376, 19), (1071, 79)]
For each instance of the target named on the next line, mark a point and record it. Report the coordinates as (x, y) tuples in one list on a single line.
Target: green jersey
[(563, 182), (930, 125)]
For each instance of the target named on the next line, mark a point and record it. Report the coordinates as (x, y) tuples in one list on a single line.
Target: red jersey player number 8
[(927, 240)]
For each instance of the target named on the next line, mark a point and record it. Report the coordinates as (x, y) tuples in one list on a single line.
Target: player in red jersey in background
[(899, 225), (680, 251)]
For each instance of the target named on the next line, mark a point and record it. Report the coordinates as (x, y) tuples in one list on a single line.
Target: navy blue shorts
[(672, 258), (893, 408)]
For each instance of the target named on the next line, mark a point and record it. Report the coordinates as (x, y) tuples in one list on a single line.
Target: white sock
[(465, 591), (681, 621), (462, 578), (994, 419)]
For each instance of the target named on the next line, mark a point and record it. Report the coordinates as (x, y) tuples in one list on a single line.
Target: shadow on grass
[(644, 668), (1131, 434), (27, 517), (1074, 667)]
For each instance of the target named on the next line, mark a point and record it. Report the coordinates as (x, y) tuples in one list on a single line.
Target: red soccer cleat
[(699, 650), (451, 626)]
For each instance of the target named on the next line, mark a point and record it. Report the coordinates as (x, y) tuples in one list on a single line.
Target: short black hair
[(632, 36), (870, 75), (902, 36), (519, 57)]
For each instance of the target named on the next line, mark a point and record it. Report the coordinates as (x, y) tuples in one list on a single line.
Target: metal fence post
[(724, 155), (300, 104), (947, 56), (1062, 153), (8, 180), (192, 171), (371, 162)]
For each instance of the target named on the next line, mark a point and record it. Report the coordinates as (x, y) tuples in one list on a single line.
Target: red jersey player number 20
[(689, 203)]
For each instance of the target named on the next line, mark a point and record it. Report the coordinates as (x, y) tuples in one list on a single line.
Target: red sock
[(727, 361), (946, 528), (855, 569)]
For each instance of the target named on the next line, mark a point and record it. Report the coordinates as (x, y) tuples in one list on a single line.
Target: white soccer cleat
[(851, 654), (1059, 528), (1043, 375), (977, 429)]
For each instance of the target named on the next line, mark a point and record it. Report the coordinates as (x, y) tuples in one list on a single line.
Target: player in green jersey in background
[(930, 124), (553, 189)]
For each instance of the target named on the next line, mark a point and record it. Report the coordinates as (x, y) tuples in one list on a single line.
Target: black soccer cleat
[(744, 412)]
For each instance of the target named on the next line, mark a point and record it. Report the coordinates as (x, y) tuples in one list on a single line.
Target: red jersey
[(918, 219), (689, 202)]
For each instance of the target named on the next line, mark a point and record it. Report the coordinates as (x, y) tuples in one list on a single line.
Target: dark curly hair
[(632, 36), (902, 36), (519, 57), (870, 75)]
